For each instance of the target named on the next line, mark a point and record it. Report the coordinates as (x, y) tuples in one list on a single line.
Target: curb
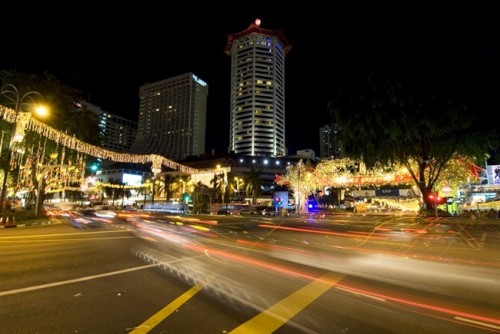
[(34, 223)]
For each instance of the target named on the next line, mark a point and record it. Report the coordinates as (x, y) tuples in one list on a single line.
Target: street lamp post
[(11, 93)]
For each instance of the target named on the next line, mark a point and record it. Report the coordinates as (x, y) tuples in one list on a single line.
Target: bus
[(236, 209), (172, 207)]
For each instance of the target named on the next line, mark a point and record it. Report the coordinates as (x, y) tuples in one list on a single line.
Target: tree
[(254, 183), (59, 97), (116, 189), (201, 197), (384, 122), (63, 116), (169, 179), (218, 187), (83, 124)]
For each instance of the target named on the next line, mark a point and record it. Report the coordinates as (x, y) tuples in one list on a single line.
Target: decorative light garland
[(71, 142)]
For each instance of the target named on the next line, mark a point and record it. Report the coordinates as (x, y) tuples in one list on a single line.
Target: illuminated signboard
[(131, 179), (198, 80)]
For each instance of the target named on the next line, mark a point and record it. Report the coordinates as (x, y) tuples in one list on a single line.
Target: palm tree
[(254, 183), (235, 186), (218, 187), (168, 181), (201, 197), (117, 192)]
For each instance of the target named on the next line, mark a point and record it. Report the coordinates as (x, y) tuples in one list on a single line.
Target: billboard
[(496, 174), (131, 179)]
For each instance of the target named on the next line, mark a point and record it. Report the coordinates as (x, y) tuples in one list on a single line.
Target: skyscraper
[(117, 133), (330, 146), (326, 149), (172, 117), (257, 115)]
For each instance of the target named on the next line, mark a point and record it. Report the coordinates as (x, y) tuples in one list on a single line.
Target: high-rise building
[(172, 117), (257, 115), (330, 146), (325, 142), (117, 133)]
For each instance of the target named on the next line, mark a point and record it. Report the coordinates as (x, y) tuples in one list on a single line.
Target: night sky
[(109, 54)]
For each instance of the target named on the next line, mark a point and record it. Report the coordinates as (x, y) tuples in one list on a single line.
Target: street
[(218, 274)]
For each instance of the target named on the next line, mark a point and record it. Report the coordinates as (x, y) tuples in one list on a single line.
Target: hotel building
[(257, 115)]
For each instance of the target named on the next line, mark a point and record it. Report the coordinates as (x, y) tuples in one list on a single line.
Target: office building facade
[(117, 133), (330, 146), (326, 150), (257, 115), (172, 117)]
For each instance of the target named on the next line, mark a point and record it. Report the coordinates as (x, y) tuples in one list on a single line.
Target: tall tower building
[(172, 117), (257, 117)]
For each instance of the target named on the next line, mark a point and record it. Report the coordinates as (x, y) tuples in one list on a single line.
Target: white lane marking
[(57, 234), (361, 294), (480, 323), (76, 280)]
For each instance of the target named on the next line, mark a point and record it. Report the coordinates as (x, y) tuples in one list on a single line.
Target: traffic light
[(277, 202), (440, 200), (436, 199), (185, 197)]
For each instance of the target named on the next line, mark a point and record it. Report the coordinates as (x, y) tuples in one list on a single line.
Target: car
[(268, 212), (224, 212), (246, 212), (105, 211), (84, 219)]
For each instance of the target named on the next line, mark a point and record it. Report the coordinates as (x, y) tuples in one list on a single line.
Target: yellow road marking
[(278, 314), (149, 324)]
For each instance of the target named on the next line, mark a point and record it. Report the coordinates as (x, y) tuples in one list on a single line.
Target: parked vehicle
[(244, 212), (268, 212)]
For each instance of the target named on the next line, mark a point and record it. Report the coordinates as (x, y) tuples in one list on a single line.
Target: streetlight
[(12, 94)]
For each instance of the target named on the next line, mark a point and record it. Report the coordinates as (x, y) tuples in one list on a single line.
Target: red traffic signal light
[(435, 198), (440, 200)]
